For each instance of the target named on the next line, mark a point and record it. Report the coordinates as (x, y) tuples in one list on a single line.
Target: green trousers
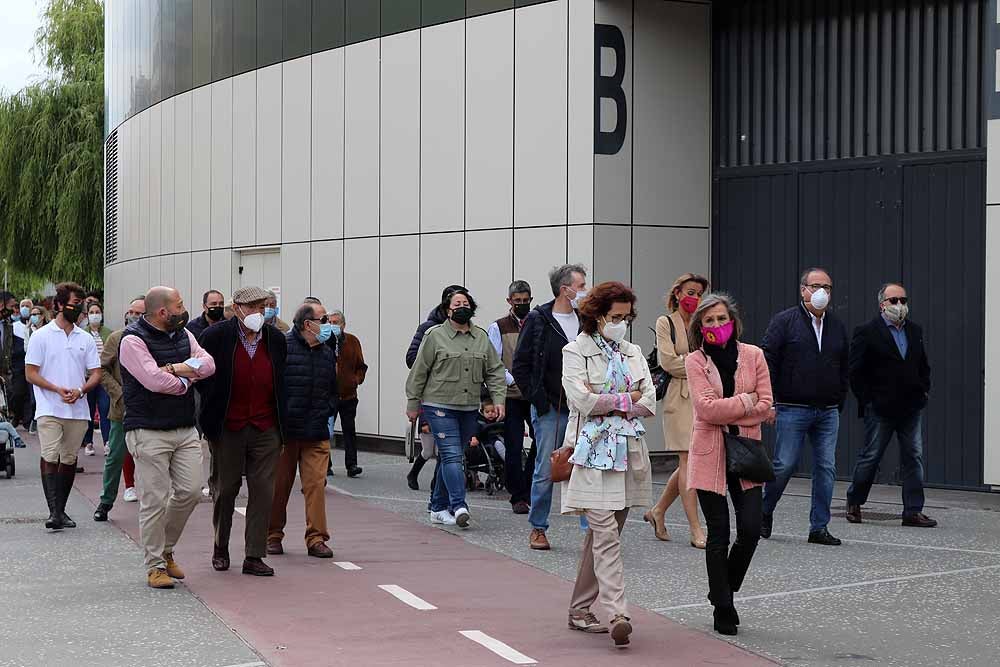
[(113, 463)]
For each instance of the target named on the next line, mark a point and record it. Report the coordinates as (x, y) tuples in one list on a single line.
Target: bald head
[(160, 297), (165, 308)]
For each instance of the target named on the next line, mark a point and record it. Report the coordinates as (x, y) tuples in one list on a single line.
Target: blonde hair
[(671, 298)]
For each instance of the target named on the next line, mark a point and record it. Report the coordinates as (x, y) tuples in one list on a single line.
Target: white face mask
[(897, 314), (820, 299), (95, 319), (615, 331), (580, 296), (254, 321)]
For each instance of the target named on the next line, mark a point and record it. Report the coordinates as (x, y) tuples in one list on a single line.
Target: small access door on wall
[(258, 268)]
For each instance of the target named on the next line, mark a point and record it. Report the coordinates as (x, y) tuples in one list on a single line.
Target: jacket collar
[(588, 347)]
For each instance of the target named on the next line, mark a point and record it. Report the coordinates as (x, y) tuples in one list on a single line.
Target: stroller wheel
[(10, 468)]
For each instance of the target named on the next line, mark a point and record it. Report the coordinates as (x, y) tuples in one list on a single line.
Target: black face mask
[(461, 315), (214, 313), (71, 313), (177, 322), (521, 310)]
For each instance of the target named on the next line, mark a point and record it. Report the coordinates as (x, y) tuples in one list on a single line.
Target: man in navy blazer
[(891, 379)]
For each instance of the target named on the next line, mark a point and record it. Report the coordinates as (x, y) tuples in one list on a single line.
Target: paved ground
[(889, 596)]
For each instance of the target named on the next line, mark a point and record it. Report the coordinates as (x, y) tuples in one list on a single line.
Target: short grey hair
[(338, 313), (271, 294), (305, 313), (563, 275), (711, 300), (804, 278), (884, 287), (518, 287)]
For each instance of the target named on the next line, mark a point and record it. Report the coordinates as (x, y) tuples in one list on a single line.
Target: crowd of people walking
[(192, 407)]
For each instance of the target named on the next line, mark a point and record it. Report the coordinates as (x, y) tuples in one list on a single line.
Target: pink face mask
[(718, 336)]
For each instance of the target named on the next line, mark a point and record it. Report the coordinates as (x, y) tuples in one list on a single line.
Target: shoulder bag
[(661, 378), (746, 458)]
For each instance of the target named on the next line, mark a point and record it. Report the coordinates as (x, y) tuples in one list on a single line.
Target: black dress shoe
[(412, 482), (723, 621), (101, 513), (919, 520), (67, 522), (220, 559), (823, 536), (257, 567), (766, 523), (354, 471), (853, 513)]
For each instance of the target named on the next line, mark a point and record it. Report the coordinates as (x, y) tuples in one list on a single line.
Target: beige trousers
[(60, 438), (602, 571), (168, 481)]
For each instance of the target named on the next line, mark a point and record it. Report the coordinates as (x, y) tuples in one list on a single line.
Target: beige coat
[(584, 371), (678, 416)]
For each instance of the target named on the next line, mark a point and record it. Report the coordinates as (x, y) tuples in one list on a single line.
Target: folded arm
[(134, 357)]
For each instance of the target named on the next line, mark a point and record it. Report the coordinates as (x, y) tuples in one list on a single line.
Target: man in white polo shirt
[(60, 355)]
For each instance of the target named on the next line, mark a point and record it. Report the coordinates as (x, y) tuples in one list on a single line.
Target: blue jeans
[(452, 431), (878, 434), (550, 429), (793, 425), (99, 399)]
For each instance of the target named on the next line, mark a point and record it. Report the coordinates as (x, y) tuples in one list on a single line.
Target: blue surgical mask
[(35, 319), (336, 330), (270, 313), (25, 312), (325, 331)]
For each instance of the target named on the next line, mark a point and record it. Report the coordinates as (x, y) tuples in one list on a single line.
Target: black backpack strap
[(673, 331)]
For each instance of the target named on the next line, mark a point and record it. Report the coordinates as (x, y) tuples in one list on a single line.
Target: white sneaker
[(107, 450), (462, 517), (443, 517), (205, 491), (88, 450), (130, 495)]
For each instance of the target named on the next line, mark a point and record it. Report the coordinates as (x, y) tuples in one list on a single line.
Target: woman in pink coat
[(730, 388)]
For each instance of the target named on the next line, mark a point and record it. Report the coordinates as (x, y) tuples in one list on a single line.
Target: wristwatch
[(80, 389)]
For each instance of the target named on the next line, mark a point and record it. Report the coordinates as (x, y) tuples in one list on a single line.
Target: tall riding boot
[(66, 475), (739, 562), (719, 592), (50, 486)]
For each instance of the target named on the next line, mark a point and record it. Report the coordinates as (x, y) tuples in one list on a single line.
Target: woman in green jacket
[(453, 362)]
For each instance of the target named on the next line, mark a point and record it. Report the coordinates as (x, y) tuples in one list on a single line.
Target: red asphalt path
[(315, 613)]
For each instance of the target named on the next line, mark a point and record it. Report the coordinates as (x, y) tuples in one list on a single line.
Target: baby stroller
[(6, 442), (487, 458)]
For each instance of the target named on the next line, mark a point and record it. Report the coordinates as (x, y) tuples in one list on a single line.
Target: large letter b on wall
[(609, 87)]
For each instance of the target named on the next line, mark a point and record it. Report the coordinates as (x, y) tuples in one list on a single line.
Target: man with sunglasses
[(891, 378), (806, 348)]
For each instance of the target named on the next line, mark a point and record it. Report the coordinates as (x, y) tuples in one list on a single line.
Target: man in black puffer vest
[(160, 360), (311, 390)]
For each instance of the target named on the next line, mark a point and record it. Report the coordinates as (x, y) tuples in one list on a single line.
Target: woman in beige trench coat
[(672, 348), (609, 390)]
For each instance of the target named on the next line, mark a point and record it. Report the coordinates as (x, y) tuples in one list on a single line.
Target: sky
[(17, 37)]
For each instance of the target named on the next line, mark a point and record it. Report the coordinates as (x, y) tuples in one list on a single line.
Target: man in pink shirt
[(160, 360)]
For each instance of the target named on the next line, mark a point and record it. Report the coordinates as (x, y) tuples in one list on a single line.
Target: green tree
[(51, 153)]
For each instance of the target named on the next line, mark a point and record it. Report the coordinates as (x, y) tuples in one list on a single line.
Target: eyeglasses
[(815, 287), (615, 319), (897, 299), (322, 320)]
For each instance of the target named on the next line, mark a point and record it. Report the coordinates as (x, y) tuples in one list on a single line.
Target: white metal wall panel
[(245, 159), (442, 127), (269, 155), (168, 145), (489, 116), (580, 246), (222, 163), (361, 305), (399, 181), (221, 274), (442, 263), (296, 146), (183, 172), (613, 173), (327, 283), (580, 174), (536, 252), (613, 259), (201, 275), (328, 144), (361, 146), (201, 168), (142, 219), (295, 280), (494, 248), (182, 281), (540, 114), (155, 162), (398, 303)]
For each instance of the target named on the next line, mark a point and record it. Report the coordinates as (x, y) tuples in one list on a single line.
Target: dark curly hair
[(450, 294), (599, 302)]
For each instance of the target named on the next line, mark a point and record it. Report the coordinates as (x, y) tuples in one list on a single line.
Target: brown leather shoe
[(257, 567), (275, 548), (620, 630), (173, 569), (853, 513), (220, 559), (158, 578), (538, 541), (521, 507), (320, 550), (919, 520)]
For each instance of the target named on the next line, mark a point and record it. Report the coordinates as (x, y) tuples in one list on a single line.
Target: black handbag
[(661, 378), (746, 458)]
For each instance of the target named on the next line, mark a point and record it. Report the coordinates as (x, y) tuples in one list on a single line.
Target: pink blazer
[(707, 455)]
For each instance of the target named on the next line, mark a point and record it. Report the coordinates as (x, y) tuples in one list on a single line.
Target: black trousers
[(347, 412), (517, 473), (728, 567)]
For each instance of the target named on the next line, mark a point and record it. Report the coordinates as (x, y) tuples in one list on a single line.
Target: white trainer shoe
[(462, 517), (88, 450), (443, 517), (130, 496)]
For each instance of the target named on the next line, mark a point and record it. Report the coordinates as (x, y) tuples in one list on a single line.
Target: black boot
[(739, 562), (65, 484), (412, 478), (719, 592), (49, 485)]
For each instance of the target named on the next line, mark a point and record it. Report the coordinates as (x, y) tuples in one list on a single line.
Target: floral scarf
[(603, 440)]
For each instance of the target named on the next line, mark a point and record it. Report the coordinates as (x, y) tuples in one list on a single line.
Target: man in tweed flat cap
[(242, 409)]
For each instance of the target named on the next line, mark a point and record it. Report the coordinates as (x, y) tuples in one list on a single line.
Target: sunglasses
[(322, 320), (897, 299)]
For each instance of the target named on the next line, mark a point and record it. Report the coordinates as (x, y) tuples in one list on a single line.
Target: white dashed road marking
[(242, 510), (249, 664), (498, 647), (346, 565), (407, 597)]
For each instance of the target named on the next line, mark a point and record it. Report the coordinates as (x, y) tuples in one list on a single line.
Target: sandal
[(659, 529)]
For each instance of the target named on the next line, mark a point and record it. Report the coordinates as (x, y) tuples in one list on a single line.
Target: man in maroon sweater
[(243, 406)]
